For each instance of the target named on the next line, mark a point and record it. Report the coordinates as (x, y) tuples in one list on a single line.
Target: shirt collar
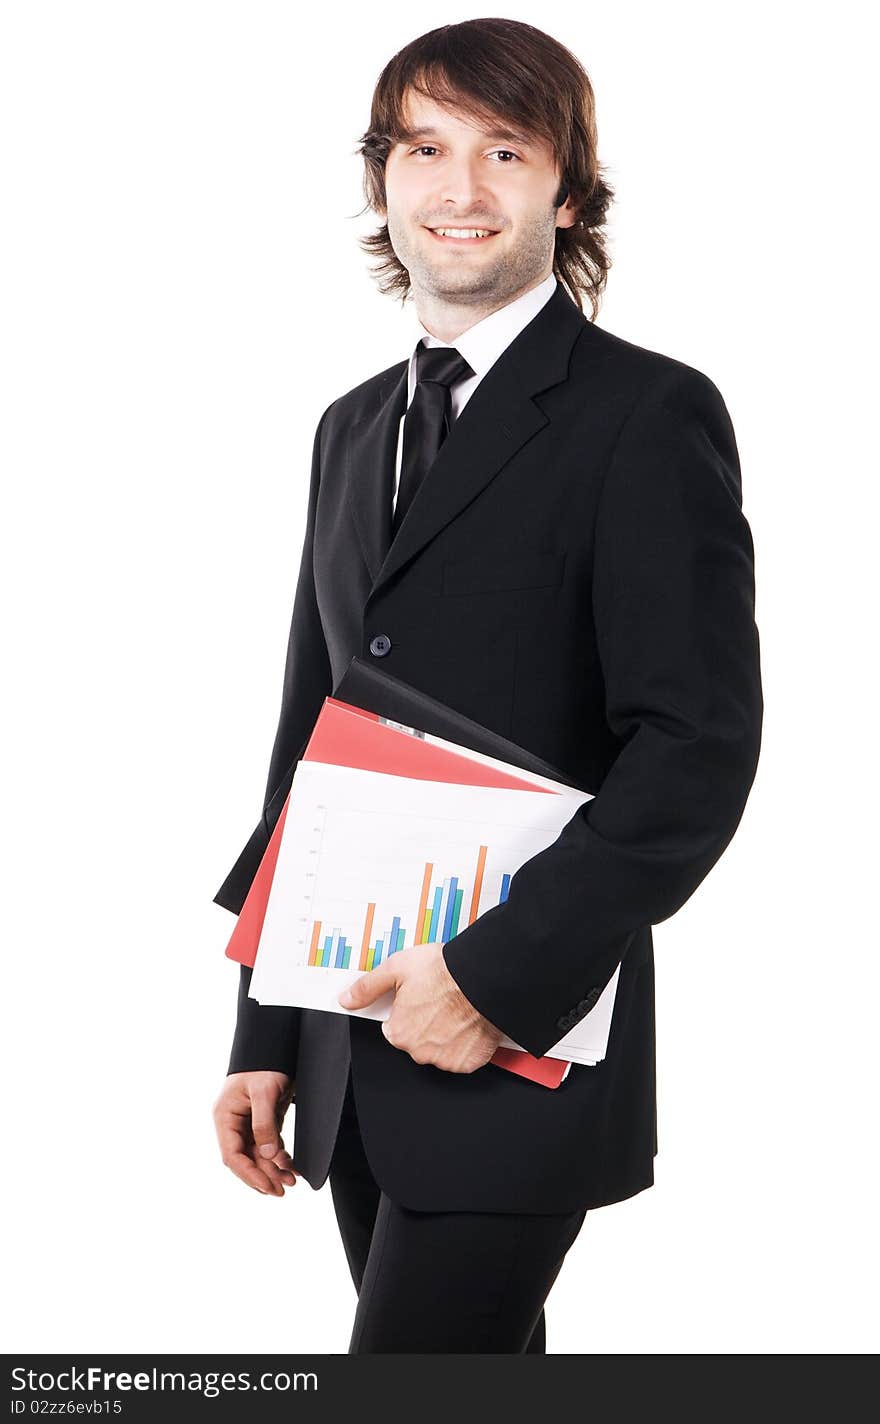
[(484, 342)]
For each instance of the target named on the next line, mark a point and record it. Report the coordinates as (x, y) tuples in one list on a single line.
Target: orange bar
[(313, 948), (478, 884), (365, 942), (423, 900)]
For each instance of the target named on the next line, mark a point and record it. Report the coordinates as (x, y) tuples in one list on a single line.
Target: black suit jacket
[(577, 574)]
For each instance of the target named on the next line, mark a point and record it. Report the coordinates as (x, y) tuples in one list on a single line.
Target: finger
[(235, 1156), (264, 1124), (369, 987), (273, 1178), (286, 1171), (243, 1167), (282, 1161), (277, 1177)]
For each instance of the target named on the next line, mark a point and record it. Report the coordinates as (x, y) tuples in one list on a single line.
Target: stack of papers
[(390, 838)]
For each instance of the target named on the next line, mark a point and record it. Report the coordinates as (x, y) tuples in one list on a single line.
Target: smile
[(462, 235)]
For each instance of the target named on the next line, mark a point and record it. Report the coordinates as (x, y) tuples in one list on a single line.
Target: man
[(539, 524)]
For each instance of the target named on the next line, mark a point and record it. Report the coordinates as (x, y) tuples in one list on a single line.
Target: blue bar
[(401, 937), (435, 915), (505, 886), (444, 910), (450, 906), (392, 938), (341, 953), (329, 946)]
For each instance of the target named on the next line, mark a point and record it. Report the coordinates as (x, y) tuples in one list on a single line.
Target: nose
[(463, 180)]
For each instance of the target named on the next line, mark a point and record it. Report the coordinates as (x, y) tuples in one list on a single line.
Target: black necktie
[(427, 421)]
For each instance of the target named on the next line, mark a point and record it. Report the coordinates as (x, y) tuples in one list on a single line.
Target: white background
[(182, 295)]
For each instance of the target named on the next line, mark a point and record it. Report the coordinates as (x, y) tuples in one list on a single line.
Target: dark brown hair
[(499, 69)]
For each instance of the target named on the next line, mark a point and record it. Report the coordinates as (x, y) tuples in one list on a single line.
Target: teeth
[(463, 231)]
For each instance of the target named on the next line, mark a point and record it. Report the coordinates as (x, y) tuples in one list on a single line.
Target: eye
[(423, 146)]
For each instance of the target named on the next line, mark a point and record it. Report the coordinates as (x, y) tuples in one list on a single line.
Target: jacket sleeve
[(267, 1035), (673, 604)]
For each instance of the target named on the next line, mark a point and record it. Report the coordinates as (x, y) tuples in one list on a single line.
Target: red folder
[(345, 735)]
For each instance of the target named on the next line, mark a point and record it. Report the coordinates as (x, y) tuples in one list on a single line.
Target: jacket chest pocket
[(491, 575)]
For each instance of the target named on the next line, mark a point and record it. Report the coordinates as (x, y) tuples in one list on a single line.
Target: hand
[(431, 1018), (247, 1116)]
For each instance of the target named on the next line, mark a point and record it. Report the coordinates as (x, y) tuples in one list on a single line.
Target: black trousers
[(429, 1282)]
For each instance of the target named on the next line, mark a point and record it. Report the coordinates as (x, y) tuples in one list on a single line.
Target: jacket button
[(380, 645)]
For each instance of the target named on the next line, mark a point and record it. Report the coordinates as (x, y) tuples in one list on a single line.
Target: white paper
[(354, 839)]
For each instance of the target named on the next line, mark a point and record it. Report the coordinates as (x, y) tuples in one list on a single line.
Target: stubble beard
[(466, 282)]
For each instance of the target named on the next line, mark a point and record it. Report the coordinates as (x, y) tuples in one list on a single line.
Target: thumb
[(368, 987), (264, 1126)]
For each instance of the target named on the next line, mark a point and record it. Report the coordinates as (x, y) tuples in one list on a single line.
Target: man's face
[(455, 175)]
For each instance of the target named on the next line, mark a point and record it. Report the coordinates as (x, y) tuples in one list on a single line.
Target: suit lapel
[(497, 421)]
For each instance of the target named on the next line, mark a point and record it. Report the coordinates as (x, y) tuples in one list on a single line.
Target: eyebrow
[(506, 135)]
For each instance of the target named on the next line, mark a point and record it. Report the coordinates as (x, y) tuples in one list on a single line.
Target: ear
[(566, 215)]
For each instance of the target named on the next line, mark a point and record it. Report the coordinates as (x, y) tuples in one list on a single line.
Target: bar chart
[(370, 864), (437, 919)]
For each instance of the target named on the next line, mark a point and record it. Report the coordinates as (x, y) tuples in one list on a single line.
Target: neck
[(447, 319)]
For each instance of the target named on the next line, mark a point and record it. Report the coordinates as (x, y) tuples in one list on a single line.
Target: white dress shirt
[(480, 345)]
